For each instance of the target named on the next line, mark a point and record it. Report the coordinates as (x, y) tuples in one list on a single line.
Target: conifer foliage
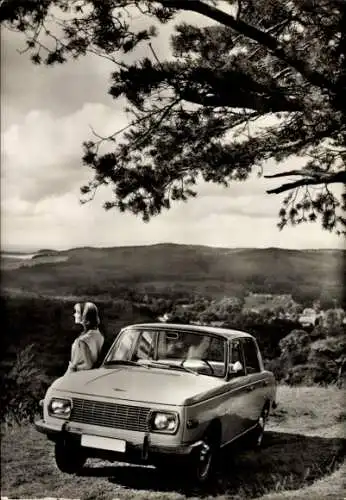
[(263, 79)]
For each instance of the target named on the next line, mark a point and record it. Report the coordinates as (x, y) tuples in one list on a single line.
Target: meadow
[(302, 457)]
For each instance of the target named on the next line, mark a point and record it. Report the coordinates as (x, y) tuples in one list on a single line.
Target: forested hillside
[(168, 268)]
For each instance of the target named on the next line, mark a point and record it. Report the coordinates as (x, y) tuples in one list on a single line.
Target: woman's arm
[(81, 359), (86, 361)]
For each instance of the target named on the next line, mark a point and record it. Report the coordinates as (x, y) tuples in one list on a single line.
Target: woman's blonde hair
[(87, 314)]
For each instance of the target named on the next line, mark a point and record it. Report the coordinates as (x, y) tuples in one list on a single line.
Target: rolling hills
[(167, 268)]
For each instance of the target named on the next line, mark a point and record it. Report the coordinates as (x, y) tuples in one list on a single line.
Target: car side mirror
[(235, 368)]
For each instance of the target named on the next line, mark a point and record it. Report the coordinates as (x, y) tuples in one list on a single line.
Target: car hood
[(149, 385)]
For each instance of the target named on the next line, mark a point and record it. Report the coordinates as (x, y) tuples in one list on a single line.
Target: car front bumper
[(138, 452)]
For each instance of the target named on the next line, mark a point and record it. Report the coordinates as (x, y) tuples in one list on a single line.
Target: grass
[(312, 411), (331, 488), (301, 458)]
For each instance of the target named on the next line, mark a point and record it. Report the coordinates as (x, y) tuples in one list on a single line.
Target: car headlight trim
[(164, 422), (60, 407)]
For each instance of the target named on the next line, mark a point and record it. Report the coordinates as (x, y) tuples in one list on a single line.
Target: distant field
[(208, 271), (301, 458), (10, 263)]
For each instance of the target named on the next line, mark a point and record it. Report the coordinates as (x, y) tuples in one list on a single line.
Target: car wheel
[(69, 459), (203, 462)]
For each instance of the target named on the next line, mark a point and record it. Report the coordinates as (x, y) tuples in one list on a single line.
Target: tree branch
[(241, 98), (292, 172), (262, 37), (312, 179)]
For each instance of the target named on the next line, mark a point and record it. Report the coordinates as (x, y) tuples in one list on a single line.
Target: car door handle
[(250, 388)]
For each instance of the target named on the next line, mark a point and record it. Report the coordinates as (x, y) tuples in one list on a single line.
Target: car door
[(254, 381), (235, 421)]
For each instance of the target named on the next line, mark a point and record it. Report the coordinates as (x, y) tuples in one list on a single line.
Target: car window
[(176, 345), (216, 351), (236, 355), (190, 350), (251, 357), (145, 348), (201, 352), (125, 345)]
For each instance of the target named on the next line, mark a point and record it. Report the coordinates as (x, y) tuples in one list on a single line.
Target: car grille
[(118, 416)]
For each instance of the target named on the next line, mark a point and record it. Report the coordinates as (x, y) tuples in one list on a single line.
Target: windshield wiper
[(150, 364), (124, 362), (167, 365)]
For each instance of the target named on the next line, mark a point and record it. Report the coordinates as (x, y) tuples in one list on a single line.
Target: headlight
[(59, 407), (164, 422)]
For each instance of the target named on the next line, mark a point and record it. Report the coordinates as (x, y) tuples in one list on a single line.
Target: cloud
[(42, 174), (42, 154), (61, 89), (47, 114), (65, 88), (62, 222)]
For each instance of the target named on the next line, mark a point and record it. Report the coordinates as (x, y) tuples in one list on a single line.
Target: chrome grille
[(118, 416)]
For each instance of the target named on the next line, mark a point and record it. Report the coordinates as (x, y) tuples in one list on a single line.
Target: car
[(165, 395)]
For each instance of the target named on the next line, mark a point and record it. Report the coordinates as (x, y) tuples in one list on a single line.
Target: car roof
[(214, 330)]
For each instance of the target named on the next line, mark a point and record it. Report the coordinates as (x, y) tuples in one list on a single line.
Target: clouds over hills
[(47, 114)]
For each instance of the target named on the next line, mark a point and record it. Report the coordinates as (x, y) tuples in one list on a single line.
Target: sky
[(46, 114)]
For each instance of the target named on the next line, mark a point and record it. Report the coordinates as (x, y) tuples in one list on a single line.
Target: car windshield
[(190, 351)]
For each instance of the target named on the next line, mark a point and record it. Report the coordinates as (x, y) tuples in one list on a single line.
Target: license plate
[(103, 443)]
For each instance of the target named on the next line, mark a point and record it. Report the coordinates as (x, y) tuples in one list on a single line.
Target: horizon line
[(23, 249)]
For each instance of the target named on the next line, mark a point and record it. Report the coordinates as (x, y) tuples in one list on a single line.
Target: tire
[(202, 463), (69, 458)]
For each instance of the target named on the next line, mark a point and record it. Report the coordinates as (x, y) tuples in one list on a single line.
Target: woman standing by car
[(86, 349)]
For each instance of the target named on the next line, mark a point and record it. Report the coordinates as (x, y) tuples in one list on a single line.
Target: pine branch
[(308, 180), (262, 37)]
